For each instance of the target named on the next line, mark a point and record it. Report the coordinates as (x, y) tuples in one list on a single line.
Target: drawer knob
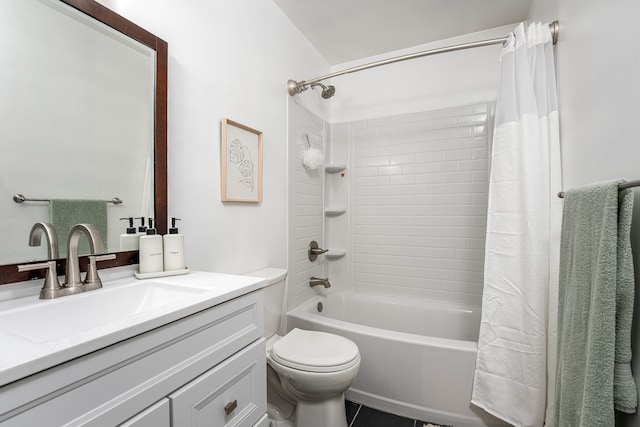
[(229, 407)]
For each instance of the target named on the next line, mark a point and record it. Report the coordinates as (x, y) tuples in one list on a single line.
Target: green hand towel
[(594, 311), (65, 213)]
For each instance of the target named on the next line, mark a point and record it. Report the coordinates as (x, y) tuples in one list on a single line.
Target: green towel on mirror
[(595, 307), (65, 213)]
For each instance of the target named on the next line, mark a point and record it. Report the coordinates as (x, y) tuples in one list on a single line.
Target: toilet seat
[(314, 351)]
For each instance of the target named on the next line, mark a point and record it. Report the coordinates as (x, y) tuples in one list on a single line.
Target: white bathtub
[(418, 356)]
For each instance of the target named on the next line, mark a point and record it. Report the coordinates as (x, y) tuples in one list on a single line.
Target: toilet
[(307, 371)]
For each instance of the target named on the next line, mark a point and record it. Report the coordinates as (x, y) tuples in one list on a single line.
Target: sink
[(39, 334), (49, 320)]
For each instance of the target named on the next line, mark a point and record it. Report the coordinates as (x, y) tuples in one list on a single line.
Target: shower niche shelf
[(334, 168), (335, 253), (334, 211)]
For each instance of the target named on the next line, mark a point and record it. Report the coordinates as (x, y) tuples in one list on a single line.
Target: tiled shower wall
[(419, 200), (306, 207)]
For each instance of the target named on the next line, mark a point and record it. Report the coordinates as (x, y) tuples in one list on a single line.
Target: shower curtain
[(515, 366)]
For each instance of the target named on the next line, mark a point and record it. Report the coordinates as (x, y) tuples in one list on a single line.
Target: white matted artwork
[(241, 158)]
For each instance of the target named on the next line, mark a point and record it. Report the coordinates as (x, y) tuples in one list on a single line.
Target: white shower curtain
[(515, 366)]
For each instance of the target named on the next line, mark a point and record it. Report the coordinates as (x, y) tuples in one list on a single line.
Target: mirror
[(83, 98)]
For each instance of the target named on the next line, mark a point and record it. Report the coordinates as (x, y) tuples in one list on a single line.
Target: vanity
[(170, 351), (176, 351)]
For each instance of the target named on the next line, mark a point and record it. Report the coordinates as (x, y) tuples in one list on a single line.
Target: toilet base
[(322, 413)]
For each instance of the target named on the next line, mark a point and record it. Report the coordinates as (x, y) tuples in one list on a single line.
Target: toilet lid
[(315, 351)]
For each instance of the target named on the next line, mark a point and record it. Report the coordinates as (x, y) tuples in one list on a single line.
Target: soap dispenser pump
[(142, 229), (174, 248), (151, 254), (130, 241)]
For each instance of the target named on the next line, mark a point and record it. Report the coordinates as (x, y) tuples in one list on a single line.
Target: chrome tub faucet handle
[(314, 250)]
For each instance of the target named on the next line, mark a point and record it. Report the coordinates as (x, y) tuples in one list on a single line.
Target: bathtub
[(418, 356)]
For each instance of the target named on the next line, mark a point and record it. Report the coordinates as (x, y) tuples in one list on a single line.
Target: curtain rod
[(621, 186), (295, 88)]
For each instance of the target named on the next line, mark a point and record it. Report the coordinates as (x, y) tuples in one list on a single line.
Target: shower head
[(327, 91), (294, 88)]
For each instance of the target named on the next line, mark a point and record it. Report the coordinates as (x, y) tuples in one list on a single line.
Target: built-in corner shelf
[(334, 211), (334, 168), (335, 253)]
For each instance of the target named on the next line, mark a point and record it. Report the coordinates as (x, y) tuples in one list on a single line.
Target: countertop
[(20, 357)]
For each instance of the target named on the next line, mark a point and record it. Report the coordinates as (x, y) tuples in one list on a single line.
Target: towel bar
[(19, 198), (621, 186)]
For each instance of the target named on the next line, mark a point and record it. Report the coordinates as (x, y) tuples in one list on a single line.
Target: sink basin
[(50, 320)]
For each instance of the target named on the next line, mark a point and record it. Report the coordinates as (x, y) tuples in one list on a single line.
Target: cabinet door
[(158, 415), (231, 394)]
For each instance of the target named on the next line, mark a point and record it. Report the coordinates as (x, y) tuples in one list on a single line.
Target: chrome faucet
[(315, 281), (74, 284), (35, 238), (73, 264)]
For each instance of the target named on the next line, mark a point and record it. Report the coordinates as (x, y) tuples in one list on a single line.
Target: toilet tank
[(274, 298)]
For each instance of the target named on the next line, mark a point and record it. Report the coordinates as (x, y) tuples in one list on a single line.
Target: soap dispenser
[(151, 255), (142, 229), (130, 241), (173, 248)]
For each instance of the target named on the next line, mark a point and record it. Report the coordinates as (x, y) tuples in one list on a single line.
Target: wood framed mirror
[(9, 272)]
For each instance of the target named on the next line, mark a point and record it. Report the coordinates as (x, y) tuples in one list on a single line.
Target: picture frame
[(241, 163)]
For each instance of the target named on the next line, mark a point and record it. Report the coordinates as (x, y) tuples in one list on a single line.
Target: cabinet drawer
[(231, 394)]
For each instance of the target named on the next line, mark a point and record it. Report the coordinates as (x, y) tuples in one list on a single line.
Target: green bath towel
[(625, 392), (595, 307)]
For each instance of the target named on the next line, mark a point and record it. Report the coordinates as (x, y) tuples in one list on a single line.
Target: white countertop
[(20, 357)]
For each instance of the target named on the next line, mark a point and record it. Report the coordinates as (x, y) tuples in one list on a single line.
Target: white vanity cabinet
[(207, 368), (158, 415)]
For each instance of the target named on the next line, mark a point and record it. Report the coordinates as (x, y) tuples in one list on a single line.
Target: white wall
[(227, 59), (440, 81), (419, 204), (598, 68), (306, 203)]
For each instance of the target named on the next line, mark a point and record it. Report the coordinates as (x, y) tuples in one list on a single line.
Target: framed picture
[(241, 158)]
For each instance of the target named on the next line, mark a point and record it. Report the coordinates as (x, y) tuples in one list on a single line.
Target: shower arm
[(294, 87)]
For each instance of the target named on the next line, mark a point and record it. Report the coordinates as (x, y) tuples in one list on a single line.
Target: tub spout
[(314, 281)]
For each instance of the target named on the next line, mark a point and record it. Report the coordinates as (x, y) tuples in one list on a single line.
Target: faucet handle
[(51, 287), (314, 250), (92, 281)]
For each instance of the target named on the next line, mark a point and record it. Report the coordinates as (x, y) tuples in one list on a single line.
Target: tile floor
[(362, 416)]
